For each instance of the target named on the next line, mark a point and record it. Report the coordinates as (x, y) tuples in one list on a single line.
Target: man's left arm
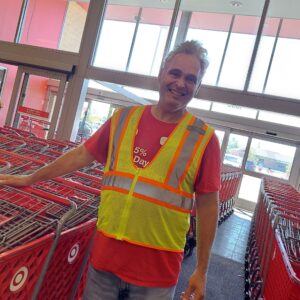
[(207, 207)]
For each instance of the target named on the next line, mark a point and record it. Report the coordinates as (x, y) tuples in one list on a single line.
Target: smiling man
[(178, 81), (158, 159)]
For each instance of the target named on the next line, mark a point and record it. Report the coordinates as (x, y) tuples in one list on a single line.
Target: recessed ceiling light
[(236, 3)]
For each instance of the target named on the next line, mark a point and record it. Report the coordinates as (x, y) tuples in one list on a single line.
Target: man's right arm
[(69, 162)]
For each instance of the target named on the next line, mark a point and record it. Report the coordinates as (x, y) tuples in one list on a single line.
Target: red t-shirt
[(135, 264)]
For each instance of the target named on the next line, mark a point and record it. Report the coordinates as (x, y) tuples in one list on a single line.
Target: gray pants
[(106, 286)]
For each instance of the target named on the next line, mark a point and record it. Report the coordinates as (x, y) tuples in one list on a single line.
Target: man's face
[(178, 82)]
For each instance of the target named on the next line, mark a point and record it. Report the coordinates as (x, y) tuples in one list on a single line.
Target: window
[(235, 150), (229, 63), (277, 63), (212, 30), (200, 104), (9, 17), (67, 19), (279, 118), (234, 110), (220, 135), (270, 158), (133, 38)]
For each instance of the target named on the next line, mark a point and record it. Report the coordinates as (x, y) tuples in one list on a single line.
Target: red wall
[(42, 28), (9, 15)]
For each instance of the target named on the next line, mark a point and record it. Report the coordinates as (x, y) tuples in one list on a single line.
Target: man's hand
[(67, 163), (15, 180), (196, 287)]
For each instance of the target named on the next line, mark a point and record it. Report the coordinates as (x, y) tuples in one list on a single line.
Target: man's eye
[(192, 79), (175, 73)]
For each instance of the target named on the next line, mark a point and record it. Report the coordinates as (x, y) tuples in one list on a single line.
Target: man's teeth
[(177, 93)]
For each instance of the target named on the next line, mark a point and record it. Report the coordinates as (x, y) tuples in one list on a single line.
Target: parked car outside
[(250, 165), (232, 160)]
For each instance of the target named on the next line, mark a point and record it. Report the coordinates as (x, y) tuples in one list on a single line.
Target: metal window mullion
[(63, 25), (225, 49), (256, 44), (155, 51), (272, 55), (183, 26), (137, 24), (14, 98), (78, 84), (21, 21), (247, 149), (57, 107), (21, 98), (171, 29)]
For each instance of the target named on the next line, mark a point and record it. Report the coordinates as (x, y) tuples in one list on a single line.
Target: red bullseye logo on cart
[(18, 279), (73, 253)]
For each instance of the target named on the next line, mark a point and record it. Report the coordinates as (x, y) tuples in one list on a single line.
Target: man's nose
[(180, 82)]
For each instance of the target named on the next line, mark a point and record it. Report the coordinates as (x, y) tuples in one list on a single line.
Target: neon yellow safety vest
[(150, 206)]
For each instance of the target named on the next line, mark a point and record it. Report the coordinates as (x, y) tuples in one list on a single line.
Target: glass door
[(29, 108), (258, 157), (265, 159), (270, 158), (93, 115), (235, 150)]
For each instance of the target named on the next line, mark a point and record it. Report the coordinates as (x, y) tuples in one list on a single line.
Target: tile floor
[(232, 236)]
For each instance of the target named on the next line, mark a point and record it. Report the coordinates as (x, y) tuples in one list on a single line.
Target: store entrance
[(257, 156), (30, 108), (93, 115)]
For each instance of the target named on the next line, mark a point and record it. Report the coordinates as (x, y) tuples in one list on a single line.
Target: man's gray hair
[(192, 47)]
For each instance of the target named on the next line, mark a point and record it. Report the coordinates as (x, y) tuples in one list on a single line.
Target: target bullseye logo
[(73, 253), (18, 279)]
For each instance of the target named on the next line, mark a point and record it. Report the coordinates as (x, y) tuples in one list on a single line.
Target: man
[(156, 158)]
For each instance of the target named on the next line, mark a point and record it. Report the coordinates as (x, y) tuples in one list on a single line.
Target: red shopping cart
[(19, 164), (29, 230)]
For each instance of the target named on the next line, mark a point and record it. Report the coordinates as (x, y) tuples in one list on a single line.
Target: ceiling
[(277, 8)]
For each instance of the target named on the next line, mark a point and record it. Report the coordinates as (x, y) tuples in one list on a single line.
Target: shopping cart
[(18, 132), (60, 146), (4, 166), (4, 131), (94, 169), (30, 227), (283, 278), (230, 180), (52, 153), (35, 144), (86, 199), (10, 144), (19, 164), (273, 255), (36, 155), (68, 262), (84, 180)]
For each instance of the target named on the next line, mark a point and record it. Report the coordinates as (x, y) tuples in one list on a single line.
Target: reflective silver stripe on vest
[(149, 190), (163, 195), (119, 127), (117, 181), (195, 131)]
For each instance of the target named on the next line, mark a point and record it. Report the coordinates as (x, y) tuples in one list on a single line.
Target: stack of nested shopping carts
[(272, 265), (230, 181), (45, 229)]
